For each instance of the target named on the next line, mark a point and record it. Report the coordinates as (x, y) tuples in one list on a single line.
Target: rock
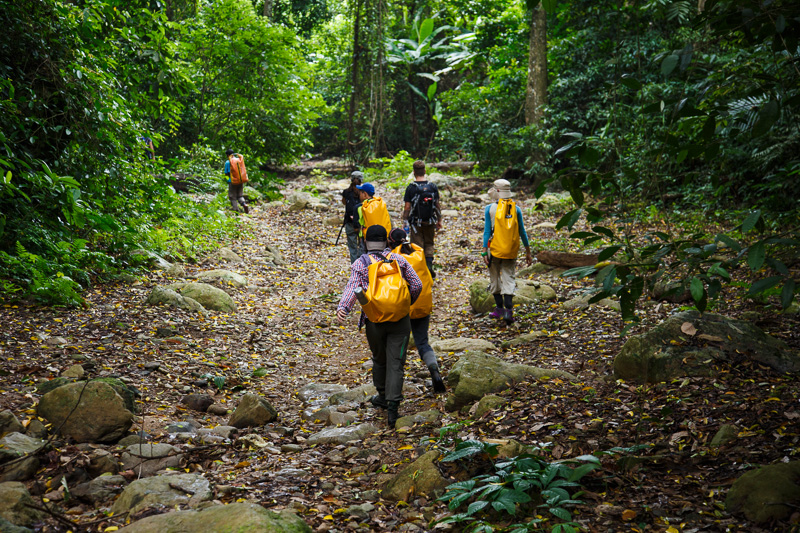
[(102, 462), (342, 435), (476, 374), (226, 255), (360, 512), (224, 276), (357, 395), (527, 292), (217, 409), (425, 417), (99, 489), (335, 418), (252, 441), (166, 296), (490, 402), (175, 271), (668, 351), (462, 344), (130, 440), (239, 517), (206, 295), (152, 259), (299, 200), (75, 371), (9, 423), (252, 195), (55, 341), (163, 491), (766, 494), (420, 478), (21, 470), (14, 504), (314, 392), (46, 386), (198, 402), (291, 448), (273, 254), (524, 339), (36, 429), (533, 270), (127, 393), (8, 527), (147, 459), (671, 291), (725, 434), (333, 222), (252, 410), (582, 302), (15, 445), (450, 213), (187, 426)]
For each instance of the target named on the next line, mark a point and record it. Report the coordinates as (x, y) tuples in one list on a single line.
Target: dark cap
[(397, 236), (376, 233), (228, 152)]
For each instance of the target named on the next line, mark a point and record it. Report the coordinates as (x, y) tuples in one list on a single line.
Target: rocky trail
[(312, 449)]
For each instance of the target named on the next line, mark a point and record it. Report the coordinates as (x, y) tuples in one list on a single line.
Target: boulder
[(15, 445), (273, 255), (534, 270), (152, 259), (299, 200), (691, 344), (524, 339), (166, 296), (240, 517), (198, 402), (163, 492), (127, 393), (74, 371), (253, 410), (425, 417), (46, 386), (226, 255), (462, 344), (224, 276), (488, 403), (99, 489), (21, 470), (89, 411), (357, 395), (766, 494), (147, 459), (8, 527), (9, 423), (477, 374), (527, 292), (102, 462), (319, 392), (14, 504), (342, 435), (251, 194), (725, 434), (206, 295), (582, 302), (176, 271), (420, 478)]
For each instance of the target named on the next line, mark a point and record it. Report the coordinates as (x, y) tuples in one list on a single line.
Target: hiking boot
[(497, 313), (391, 413), (246, 209), (438, 382), (509, 316), (379, 401)]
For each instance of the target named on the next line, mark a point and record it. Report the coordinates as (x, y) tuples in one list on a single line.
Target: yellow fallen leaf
[(671, 529), (111, 528), (628, 514), (406, 447), (328, 517)]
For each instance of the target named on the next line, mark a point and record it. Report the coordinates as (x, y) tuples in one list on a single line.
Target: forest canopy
[(679, 103)]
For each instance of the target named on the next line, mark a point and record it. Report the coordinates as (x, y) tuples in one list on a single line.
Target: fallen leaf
[(688, 328), (628, 514)]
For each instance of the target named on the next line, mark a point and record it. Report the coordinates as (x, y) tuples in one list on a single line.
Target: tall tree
[(536, 90)]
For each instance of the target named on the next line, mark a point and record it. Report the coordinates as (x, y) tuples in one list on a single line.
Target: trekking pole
[(340, 233)]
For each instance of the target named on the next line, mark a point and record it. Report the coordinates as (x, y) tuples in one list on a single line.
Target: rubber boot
[(498, 306), (509, 316), (438, 382), (392, 414), (429, 261), (379, 401)]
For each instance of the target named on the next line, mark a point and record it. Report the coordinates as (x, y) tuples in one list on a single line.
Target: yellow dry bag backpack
[(375, 212), (238, 171), (389, 297), (423, 305), (505, 236)]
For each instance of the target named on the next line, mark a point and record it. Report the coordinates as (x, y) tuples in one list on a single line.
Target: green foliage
[(522, 483)]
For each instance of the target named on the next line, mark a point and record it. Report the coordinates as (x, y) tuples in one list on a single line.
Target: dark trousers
[(236, 195), (388, 342)]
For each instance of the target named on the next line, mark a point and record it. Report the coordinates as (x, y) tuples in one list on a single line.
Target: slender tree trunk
[(351, 119), (536, 90), (268, 8)]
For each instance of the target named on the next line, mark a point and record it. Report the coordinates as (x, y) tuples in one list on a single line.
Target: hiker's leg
[(497, 312), (419, 329), (509, 287), (353, 247), (428, 234), (377, 345), (494, 277), (508, 301), (415, 236), (232, 196), (396, 345)]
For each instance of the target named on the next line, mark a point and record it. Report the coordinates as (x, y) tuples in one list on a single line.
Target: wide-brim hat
[(503, 188)]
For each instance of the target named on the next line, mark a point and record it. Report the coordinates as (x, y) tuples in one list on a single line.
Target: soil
[(668, 478)]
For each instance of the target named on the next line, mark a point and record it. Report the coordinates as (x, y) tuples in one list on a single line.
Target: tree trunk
[(566, 259), (351, 119), (268, 8), (536, 91)]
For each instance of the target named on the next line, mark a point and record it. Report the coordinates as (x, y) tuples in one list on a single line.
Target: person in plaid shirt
[(388, 341)]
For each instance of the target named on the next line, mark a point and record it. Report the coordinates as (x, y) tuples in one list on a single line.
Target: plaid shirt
[(359, 277)]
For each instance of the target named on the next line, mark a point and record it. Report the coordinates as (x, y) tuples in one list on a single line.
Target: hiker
[(351, 198), (420, 313), (373, 209), (237, 177), (422, 214), (149, 150), (396, 286), (503, 228)]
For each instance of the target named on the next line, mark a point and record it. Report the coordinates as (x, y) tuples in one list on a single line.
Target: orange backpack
[(376, 213), (423, 305), (238, 170), (388, 294)]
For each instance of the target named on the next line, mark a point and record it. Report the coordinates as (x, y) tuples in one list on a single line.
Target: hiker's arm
[(406, 211), (227, 168), (524, 236), (358, 278), (487, 232)]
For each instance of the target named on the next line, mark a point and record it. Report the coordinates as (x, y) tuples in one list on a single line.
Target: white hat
[(503, 188)]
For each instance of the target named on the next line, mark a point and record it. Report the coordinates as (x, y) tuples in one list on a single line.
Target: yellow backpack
[(389, 297), (505, 237), (238, 170), (423, 305), (375, 212)]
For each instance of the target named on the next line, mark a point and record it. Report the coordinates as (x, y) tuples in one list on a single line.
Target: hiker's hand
[(341, 315), (438, 225), (486, 259), (528, 257)]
